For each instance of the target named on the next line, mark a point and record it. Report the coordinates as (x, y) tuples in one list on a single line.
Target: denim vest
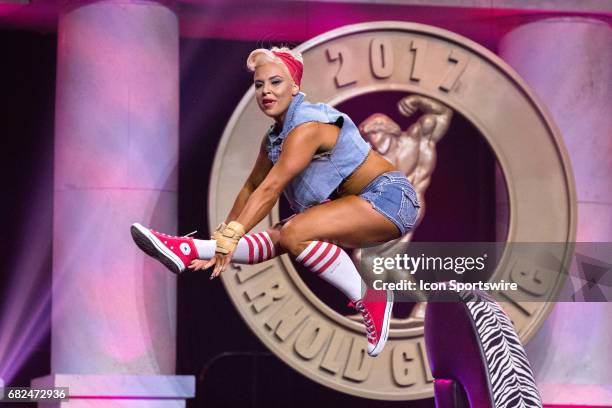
[(327, 170)]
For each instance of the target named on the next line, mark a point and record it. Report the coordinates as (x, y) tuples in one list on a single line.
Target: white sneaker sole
[(153, 247), (386, 323)]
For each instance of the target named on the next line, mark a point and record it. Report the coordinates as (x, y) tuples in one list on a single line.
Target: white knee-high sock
[(251, 249), (334, 265)]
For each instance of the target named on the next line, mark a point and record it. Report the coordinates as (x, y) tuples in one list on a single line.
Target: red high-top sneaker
[(174, 252), (375, 307)]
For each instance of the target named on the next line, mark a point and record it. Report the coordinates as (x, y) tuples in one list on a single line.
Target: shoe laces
[(367, 318), (174, 236)]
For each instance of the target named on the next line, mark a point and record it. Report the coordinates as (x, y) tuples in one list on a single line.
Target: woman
[(342, 191)]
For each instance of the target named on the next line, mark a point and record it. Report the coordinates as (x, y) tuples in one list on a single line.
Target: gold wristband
[(226, 245), (227, 240), (218, 232), (234, 230)]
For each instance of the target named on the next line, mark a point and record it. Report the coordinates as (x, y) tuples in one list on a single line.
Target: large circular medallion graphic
[(434, 65)]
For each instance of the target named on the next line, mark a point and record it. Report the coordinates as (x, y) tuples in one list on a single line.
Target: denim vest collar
[(287, 124)]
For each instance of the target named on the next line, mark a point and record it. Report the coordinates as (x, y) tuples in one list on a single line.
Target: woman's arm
[(262, 167), (298, 148)]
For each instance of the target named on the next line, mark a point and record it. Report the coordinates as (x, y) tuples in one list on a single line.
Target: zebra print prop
[(509, 372)]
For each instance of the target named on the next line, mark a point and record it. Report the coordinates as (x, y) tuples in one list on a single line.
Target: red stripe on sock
[(259, 246), (323, 254), (268, 242), (251, 249), (262, 253), (312, 252), (330, 261)]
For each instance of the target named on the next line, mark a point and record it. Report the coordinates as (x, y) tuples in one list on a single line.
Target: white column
[(116, 153), (568, 62)]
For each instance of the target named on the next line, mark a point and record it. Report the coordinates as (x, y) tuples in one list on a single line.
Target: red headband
[(295, 67)]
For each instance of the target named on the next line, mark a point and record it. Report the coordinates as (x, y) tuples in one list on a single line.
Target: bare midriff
[(373, 165)]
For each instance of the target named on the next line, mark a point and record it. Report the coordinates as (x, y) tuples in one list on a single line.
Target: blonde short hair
[(261, 56)]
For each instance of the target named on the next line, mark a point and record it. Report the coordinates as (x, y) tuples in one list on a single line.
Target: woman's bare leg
[(348, 221)]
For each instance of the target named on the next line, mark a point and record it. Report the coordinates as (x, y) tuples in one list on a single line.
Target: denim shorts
[(392, 195)]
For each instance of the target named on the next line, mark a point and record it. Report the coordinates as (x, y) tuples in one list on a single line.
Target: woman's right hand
[(200, 264), (220, 260)]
